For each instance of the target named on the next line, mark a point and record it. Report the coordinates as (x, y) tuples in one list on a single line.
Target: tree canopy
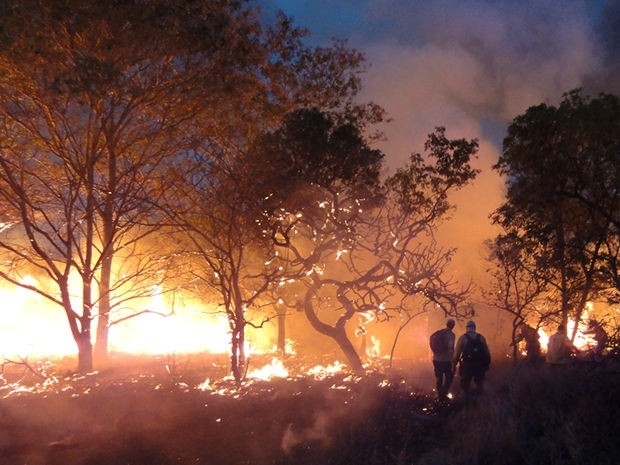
[(246, 148), (100, 102), (562, 169), (367, 247)]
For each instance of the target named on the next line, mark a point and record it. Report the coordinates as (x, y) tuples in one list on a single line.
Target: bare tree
[(232, 187), (225, 252), (520, 287), (357, 249)]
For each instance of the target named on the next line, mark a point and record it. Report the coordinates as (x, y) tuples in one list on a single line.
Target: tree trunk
[(105, 279), (337, 333), (85, 353), (340, 336), (237, 357), (80, 327), (103, 314), (282, 331), (234, 357), (85, 345), (101, 341)]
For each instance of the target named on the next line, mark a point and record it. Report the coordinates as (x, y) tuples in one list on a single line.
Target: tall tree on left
[(97, 99)]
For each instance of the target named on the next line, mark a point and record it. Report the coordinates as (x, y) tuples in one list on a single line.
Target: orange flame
[(30, 325)]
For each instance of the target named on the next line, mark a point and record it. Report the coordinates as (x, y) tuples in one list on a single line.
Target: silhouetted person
[(532, 343), (559, 348), (473, 358), (599, 335), (442, 345)]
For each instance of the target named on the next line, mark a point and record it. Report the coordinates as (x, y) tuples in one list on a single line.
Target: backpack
[(475, 353), (439, 341)]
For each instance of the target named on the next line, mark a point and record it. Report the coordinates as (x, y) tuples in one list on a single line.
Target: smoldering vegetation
[(154, 415)]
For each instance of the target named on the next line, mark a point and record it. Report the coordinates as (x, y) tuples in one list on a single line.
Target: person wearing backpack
[(442, 346), (473, 358)]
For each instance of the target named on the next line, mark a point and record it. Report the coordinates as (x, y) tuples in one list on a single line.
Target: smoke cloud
[(471, 67), (318, 432)]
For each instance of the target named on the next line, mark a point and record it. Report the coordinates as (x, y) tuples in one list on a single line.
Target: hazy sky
[(471, 66)]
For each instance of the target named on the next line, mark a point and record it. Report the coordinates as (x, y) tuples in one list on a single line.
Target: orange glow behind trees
[(101, 101), (179, 174)]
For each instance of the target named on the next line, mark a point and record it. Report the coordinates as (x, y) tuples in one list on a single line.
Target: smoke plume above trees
[(471, 67)]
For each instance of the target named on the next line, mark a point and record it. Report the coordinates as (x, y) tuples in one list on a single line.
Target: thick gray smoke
[(471, 67)]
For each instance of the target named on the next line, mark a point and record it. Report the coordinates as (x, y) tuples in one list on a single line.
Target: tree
[(99, 101), (356, 245), (234, 195), (228, 255), (563, 188), (520, 286)]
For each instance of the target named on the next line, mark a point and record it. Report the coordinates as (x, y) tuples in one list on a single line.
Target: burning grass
[(184, 410)]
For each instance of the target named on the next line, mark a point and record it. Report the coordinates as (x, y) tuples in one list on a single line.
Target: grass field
[(184, 410)]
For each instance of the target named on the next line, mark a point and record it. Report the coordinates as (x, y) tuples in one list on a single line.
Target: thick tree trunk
[(80, 327), (338, 334), (345, 344), (85, 353), (101, 342), (103, 314)]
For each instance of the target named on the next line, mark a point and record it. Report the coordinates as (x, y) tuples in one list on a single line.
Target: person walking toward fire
[(442, 346), (473, 358)]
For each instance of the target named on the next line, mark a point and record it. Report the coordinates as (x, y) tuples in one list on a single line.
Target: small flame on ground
[(321, 372), (275, 369)]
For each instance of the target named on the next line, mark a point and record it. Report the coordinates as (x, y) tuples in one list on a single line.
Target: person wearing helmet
[(473, 358)]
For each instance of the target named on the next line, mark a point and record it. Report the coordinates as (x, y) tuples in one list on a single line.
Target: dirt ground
[(184, 410)]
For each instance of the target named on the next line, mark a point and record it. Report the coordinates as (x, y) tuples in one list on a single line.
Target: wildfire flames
[(32, 326), (582, 340)]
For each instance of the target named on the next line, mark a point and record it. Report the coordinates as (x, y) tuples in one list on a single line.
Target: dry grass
[(143, 412)]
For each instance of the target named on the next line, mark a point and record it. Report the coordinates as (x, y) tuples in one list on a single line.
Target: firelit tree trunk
[(338, 334), (343, 341), (84, 342), (237, 357), (107, 256), (103, 313), (85, 353), (103, 321), (282, 331), (80, 330)]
